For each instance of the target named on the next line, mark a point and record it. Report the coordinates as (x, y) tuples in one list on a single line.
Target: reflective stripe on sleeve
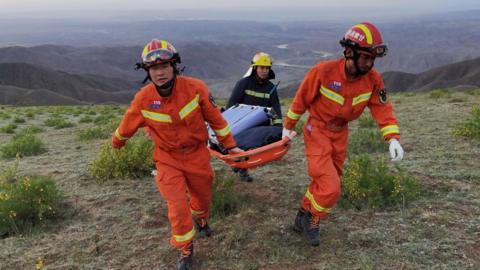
[(223, 132), (389, 130), (293, 116), (120, 137)]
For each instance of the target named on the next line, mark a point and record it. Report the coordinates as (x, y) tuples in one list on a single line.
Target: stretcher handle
[(240, 156)]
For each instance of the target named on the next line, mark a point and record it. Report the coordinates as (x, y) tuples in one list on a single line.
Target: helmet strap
[(355, 57), (166, 89)]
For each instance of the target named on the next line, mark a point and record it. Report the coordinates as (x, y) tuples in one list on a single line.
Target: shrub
[(18, 120), (366, 141), (86, 119), (473, 92), (133, 160), (9, 128), (93, 133), (470, 127), (26, 201), (105, 119), (32, 130), (30, 115), (369, 183), (366, 121), (4, 115), (22, 145), (58, 122), (225, 200), (440, 93)]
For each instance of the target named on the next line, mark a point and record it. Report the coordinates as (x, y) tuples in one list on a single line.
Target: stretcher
[(241, 117), (255, 157)]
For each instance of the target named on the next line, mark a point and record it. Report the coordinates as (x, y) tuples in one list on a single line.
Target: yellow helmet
[(262, 59)]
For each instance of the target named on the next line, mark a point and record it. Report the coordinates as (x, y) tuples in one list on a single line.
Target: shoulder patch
[(382, 96)]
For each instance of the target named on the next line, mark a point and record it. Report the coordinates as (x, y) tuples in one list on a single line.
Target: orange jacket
[(332, 100), (176, 122)]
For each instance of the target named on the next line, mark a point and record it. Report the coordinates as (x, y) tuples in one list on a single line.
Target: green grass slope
[(122, 224)]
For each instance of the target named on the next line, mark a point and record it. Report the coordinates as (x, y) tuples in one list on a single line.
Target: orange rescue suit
[(176, 125), (332, 101)]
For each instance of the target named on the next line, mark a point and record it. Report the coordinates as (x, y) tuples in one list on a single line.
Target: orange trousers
[(326, 153), (184, 180)]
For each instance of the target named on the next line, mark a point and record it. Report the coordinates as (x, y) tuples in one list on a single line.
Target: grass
[(8, 128), (26, 201), (471, 126), (133, 160), (123, 224), (22, 145), (58, 122)]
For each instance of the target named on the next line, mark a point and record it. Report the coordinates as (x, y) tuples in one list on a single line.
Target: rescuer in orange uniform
[(174, 109), (334, 93)]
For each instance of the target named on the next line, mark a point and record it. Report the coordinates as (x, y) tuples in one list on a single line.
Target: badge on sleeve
[(382, 96), (212, 100)]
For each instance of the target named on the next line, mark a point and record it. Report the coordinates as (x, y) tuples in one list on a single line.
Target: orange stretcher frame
[(255, 157)]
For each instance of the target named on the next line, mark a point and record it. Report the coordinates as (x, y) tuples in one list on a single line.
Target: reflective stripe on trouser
[(326, 152), (192, 175)]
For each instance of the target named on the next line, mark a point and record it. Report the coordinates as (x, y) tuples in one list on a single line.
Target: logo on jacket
[(335, 86), (155, 104)]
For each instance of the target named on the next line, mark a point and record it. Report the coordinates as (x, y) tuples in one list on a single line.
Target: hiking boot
[(202, 227), (186, 258), (310, 225), (244, 175), (297, 226)]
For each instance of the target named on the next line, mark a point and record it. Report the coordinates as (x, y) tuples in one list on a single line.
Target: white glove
[(396, 150), (287, 133)]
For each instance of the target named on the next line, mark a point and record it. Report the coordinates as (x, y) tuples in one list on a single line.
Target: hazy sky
[(72, 5)]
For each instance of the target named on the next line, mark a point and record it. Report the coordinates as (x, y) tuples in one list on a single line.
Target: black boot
[(202, 227), (244, 175), (310, 225), (297, 226), (186, 258)]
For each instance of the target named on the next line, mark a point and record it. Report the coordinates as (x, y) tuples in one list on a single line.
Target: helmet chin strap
[(355, 57), (165, 89)]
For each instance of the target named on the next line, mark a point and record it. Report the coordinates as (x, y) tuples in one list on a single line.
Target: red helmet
[(157, 52), (365, 37)]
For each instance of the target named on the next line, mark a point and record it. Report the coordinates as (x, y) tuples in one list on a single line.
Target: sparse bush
[(473, 92), (32, 130), (470, 127), (18, 120), (26, 201), (105, 119), (366, 141), (9, 128), (93, 133), (23, 145), (366, 121), (58, 122), (30, 115), (86, 119), (225, 200), (440, 93), (370, 183), (4, 115), (133, 160)]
